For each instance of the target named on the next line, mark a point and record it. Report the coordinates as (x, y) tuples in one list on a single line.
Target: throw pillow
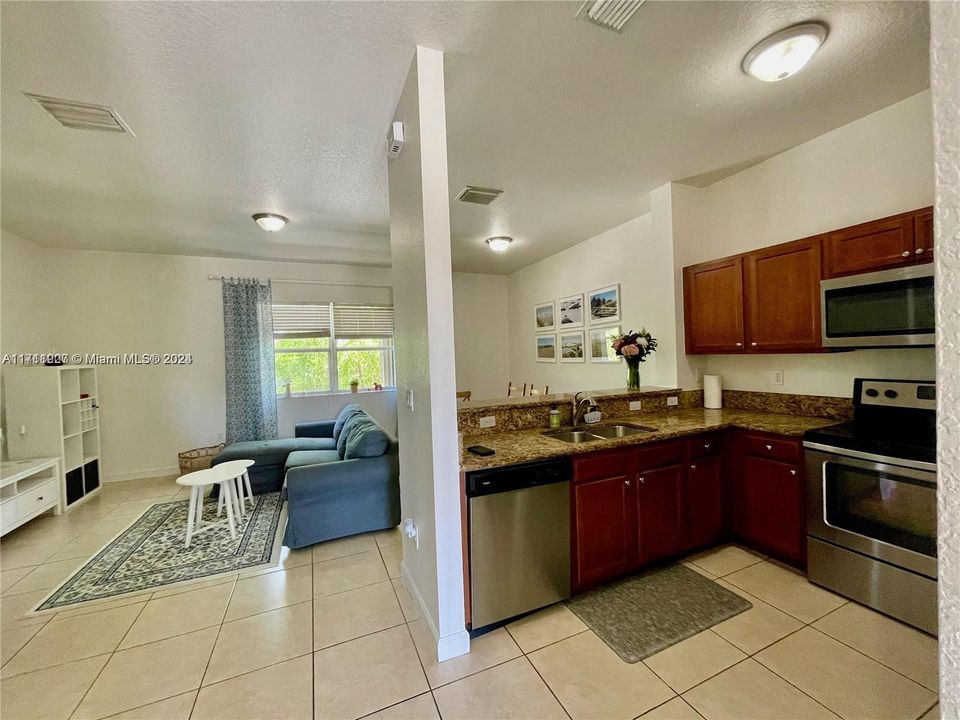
[(347, 429), (367, 439), (348, 412)]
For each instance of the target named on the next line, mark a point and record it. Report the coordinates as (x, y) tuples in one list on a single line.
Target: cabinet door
[(713, 306), (704, 501), (773, 510), (783, 297), (604, 532), (923, 236), (660, 512), (875, 245)]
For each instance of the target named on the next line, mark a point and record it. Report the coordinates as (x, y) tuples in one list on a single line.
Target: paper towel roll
[(712, 392)]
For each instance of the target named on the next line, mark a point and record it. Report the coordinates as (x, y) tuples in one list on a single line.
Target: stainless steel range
[(872, 501)]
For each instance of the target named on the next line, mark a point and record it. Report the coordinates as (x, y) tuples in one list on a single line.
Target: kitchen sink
[(619, 431), (573, 436)]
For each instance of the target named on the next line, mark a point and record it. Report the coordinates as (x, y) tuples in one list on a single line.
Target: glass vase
[(633, 376)]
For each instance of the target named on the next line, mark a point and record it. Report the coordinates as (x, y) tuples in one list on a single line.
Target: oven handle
[(880, 462)]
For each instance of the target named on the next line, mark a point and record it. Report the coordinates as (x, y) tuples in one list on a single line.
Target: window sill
[(334, 393)]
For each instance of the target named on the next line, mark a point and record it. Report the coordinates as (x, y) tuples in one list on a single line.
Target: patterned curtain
[(248, 345)]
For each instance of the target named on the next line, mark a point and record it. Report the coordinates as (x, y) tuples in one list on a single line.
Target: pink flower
[(617, 344), (630, 350)]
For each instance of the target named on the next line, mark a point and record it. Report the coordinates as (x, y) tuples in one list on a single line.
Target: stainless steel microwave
[(890, 308)]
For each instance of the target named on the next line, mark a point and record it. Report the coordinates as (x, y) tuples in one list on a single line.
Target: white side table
[(197, 482), (238, 468)]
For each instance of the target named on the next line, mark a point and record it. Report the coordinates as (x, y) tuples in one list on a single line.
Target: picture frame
[(604, 305), (599, 339), (570, 312), (571, 347), (546, 348), (545, 316)]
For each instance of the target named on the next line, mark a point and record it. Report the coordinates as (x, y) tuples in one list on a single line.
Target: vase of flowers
[(634, 348)]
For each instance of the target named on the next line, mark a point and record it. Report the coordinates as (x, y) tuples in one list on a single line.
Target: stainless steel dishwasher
[(519, 519)]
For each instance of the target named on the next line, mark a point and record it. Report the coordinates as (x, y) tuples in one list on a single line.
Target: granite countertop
[(527, 445), (557, 398)]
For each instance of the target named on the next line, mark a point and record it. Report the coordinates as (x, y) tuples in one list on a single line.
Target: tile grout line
[(213, 648)]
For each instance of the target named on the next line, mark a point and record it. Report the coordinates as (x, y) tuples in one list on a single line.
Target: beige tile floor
[(332, 633)]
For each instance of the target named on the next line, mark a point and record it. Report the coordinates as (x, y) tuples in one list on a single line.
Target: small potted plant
[(355, 385), (634, 347)]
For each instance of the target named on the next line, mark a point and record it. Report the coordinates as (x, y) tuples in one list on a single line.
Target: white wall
[(381, 405), (27, 295), (879, 165), (109, 303), (423, 297), (632, 255), (481, 334)]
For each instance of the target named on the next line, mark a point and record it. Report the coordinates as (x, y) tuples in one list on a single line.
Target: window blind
[(363, 321), (291, 321)]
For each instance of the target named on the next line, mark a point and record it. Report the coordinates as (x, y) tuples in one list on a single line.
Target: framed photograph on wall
[(545, 316), (570, 311), (547, 348), (604, 305), (571, 347), (600, 340)]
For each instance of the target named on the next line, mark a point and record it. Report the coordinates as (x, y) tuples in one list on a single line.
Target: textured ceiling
[(247, 107)]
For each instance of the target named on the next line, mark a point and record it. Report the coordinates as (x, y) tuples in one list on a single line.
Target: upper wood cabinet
[(895, 241), (782, 288), (713, 306)]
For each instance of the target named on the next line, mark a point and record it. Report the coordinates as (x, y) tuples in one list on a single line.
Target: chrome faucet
[(580, 407)]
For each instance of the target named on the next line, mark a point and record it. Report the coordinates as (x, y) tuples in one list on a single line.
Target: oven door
[(875, 507), (886, 308)]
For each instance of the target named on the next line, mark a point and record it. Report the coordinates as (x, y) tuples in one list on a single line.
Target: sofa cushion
[(346, 413), (271, 452), (344, 437), (367, 439), (311, 457)]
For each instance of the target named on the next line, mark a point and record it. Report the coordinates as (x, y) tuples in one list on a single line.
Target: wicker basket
[(199, 459)]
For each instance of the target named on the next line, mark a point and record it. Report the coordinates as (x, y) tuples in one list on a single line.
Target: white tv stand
[(28, 488)]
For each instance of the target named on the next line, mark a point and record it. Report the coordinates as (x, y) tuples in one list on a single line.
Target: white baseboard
[(448, 647), (141, 474)]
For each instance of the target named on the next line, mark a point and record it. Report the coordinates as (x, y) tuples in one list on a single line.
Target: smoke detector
[(395, 140), (81, 115), (478, 195), (611, 14)]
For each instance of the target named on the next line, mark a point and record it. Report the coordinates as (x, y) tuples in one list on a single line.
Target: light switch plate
[(673, 401), (410, 400), (635, 404), (778, 377), (488, 422)]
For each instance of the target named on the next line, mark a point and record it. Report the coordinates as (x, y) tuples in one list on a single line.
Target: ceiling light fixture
[(271, 222), (500, 243), (784, 53)]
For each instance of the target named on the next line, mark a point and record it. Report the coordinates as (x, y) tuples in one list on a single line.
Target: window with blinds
[(325, 347)]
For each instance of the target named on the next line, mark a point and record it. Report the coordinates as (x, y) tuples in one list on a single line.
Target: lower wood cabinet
[(705, 501), (604, 528), (660, 516)]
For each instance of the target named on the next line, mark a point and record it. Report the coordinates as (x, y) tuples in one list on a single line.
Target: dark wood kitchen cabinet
[(603, 541), (713, 306), (704, 498), (768, 496), (782, 297), (660, 513), (890, 242)]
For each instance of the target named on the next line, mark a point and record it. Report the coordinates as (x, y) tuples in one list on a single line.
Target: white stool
[(198, 482), (238, 469)]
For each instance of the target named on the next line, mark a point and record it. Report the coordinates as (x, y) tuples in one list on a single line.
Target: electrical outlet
[(673, 401), (635, 404), (778, 377), (488, 422)]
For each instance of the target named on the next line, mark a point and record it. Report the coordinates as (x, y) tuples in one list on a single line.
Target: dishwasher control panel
[(517, 477)]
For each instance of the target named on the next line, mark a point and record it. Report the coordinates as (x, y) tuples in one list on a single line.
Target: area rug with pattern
[(150, 553), (644, 614)]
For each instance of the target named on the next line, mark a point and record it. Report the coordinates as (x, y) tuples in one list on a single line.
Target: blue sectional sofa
[(340, 477)]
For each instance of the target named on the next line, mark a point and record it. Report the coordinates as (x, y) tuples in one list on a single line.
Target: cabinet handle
[(919, 251), (753, 344), (739, 344), (693, 467), (905, 253), (627, 483), (642, 480), (769, 447), (793, 472), (706, 446)]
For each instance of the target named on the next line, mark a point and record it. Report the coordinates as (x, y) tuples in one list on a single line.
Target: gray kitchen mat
[(644, 614)]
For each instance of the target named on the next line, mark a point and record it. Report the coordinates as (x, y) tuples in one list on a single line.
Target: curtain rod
[(311, 282)]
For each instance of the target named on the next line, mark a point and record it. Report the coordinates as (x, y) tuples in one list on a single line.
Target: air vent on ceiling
[(478, 195), (81, 115), (611, 14)]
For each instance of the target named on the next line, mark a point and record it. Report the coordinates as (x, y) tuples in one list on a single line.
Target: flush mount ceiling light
[(500, 243), (271, 222), (784, 53)]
